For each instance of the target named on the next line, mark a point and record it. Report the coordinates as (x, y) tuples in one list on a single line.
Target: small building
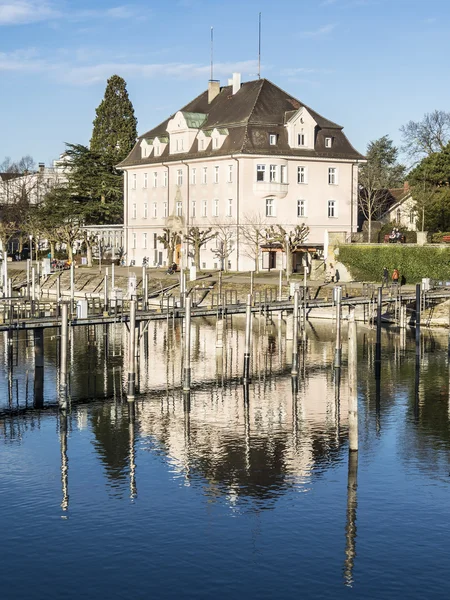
[(401, 211)]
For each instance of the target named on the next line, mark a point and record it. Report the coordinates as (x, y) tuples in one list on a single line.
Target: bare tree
[(225, 236), (290, 241), (431, 134), (170, 239), (197, 238), (253, 230)]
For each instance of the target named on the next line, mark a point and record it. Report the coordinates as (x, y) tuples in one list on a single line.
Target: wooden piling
[(418, 306), (378, 342), (63, 355), (38, 367), (248, 331), (352, 382), (294, 368), (338, 348), (131, 389), (187, 347)]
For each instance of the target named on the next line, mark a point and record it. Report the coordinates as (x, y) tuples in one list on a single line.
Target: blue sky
[(370, 65)]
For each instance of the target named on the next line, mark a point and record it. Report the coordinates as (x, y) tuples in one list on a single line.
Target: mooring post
[(144, 276), (187, 346), (63, 355), (338, 349), (33, 284), (378, 342), (72, 285), (352, 382), (113, 276), (38, 367), (418, 304), (105, 292), (145, 300), (28, 277), (280, 285), (248, 333), (294, 368), (350, 528), (219, 332), (131, 390)]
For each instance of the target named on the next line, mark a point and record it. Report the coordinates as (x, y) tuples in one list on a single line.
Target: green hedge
[(366, 263)]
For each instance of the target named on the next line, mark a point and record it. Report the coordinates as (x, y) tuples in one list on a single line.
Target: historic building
[(238, 159)]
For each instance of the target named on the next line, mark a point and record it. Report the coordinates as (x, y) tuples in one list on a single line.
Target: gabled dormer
[(146, 147), (204, 140), (301, 128), (218, 137), (160, 144), (183, 129)]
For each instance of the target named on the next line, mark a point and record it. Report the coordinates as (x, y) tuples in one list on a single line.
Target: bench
[(446, 239)]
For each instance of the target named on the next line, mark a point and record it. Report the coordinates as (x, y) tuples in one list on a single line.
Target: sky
[(369, 65)]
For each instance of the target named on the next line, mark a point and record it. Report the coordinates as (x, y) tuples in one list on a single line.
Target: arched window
[(399, 214)]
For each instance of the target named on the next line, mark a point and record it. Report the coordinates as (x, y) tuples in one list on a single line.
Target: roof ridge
[(250, 114)]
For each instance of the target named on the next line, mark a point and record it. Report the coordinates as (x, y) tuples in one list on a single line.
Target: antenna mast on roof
[(259, 48), (212, 53)]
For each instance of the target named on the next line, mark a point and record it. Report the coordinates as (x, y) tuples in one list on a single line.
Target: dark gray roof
[(257, 109)]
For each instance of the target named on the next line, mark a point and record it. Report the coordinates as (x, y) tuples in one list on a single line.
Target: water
[(222, 496)]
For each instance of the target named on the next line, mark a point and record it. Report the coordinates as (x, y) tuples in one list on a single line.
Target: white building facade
[(236, 159)]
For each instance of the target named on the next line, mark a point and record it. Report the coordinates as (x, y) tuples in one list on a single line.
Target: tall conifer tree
[(114, 133)]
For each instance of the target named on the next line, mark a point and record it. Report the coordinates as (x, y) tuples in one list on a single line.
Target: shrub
[(436, 238), (411, 236), (366, 263)]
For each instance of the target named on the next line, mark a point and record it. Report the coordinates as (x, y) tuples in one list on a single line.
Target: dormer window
[(201, 144), (215, 143), (328, 142), (301, 139), (273, 139), (156, 150)]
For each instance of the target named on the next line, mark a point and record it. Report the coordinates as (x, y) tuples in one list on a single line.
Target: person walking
[(395, 276), (337, 276), (385, 277), (332, 273)]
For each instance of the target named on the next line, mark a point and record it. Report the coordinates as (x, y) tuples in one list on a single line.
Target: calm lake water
[(225, 495)]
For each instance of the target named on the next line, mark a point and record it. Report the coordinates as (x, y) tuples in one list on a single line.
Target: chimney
[(236, 82), (41, 167), (213, 89)]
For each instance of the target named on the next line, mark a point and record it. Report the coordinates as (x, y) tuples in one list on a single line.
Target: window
[(216, 174), (205, 208), (230, 174), (179, 144), (193, 208), (165, 179), (328, 142), (301, 139), (272, 139), (230, 207), (155, 240), (165, 209), (134, 181), (155, 179), (332, 208), (260, 172), (332, 176), (179, 209), (411, 217), (145, 210), (204, 174), (301, 208), (398, 216), (201, 144), (270, 207), (179, 177), (301, 175), (144, 240), (193, 176), (273, 173), (156, 150), (215, 143), (133, 240), (283, 174), (215, 208), (155, 210), (145, 180), (134, 211)]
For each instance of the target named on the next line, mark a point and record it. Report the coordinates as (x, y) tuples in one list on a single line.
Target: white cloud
[(325, 30), (72, 72), (21, 12)]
